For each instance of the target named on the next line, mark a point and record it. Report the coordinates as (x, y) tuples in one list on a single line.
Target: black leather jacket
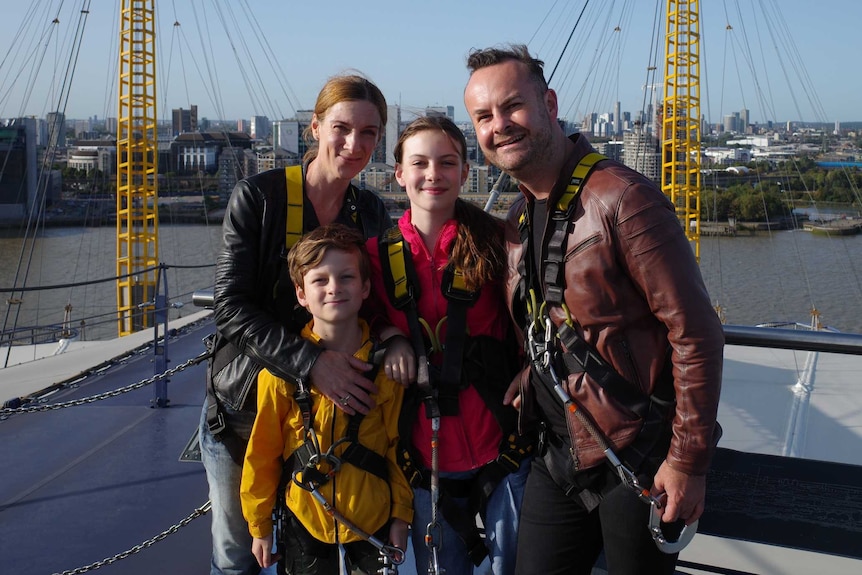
[(257, 317)]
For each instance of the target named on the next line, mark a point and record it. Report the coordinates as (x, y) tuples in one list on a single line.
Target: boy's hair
[(478, 59), (308, 252)]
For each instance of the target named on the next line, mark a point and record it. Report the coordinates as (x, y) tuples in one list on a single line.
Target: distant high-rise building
[(641, 153), (111, 126), (391, 132), (618, 127), (288, 134), (184, 121), (18, 158), (729, 123), (612, 149), (743, 121), (56, 129), (260, 127)]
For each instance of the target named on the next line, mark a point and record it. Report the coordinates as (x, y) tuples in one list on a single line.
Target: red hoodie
[(471, 438)]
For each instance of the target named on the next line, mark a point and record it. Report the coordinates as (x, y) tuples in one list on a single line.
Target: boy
[(326, 488)]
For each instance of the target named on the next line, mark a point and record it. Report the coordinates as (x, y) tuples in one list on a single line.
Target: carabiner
[(670, 547)]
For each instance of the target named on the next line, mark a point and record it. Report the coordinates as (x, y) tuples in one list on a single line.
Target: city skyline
[(419, 61)]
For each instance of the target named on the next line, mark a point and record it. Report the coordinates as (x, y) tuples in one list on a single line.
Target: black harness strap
[(459, 299)]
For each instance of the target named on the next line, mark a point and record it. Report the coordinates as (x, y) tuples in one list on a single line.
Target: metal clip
[(670, 547)]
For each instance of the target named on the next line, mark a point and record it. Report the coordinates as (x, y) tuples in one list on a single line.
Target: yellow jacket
[(361, 497)]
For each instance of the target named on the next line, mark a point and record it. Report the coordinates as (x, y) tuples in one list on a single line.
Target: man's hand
[(338, 376), (685, 494)]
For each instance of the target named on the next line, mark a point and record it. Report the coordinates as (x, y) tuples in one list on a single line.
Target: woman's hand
[(339, 376)]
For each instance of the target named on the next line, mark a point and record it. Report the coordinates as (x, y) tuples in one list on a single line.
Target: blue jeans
[(501, 520), (231, 539)]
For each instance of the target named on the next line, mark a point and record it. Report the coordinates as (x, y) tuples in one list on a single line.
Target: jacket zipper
[(583, 245)]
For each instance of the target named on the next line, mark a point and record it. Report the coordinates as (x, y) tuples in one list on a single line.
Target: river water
[(755, 279)]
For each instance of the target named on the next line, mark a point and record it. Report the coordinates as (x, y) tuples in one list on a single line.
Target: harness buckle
[(215, 419)]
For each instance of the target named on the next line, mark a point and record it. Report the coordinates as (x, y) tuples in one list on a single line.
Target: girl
[(446, 238)]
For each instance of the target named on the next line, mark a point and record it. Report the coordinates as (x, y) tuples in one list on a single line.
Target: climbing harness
[(310, 468), (543, 346)]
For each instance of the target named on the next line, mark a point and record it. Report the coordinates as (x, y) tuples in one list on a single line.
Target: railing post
[(160, 349)]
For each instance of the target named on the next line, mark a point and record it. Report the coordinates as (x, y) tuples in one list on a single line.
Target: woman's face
[(432, 171), (347, 136)]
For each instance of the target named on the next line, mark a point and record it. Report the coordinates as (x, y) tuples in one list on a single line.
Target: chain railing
[(202, 510), (39, 404), (7, 411)]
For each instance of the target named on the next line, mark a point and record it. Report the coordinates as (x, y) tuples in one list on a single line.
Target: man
[(622, 290)]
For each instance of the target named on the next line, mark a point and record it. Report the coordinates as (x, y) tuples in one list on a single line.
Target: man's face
[(512, 120)]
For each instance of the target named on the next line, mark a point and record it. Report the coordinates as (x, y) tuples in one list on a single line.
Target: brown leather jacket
[(635, 293)]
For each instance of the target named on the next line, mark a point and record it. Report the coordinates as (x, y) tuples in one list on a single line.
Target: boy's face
[(333, 291)]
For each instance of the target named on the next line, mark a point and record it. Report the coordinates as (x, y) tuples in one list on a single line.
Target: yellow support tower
[(137, 167), (680, 116)]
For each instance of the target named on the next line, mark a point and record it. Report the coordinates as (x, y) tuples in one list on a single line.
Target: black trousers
[(302, 554), (558, 536)]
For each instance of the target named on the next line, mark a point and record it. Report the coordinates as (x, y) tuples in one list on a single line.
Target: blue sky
[(781, 59)]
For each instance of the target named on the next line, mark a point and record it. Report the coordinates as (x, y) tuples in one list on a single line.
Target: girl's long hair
[(479, 250)]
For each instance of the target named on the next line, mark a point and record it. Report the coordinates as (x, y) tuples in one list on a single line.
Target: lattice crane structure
[(680, 116), (137, 168)]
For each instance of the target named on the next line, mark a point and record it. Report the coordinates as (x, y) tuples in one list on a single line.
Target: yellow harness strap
[(397, 265), (580, 172), (293, 218)]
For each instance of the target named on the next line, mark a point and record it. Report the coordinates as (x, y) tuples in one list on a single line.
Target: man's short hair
[(480, 58), (308, 252)]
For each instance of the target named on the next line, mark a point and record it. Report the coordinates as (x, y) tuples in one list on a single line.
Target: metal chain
[(203, 510), (113, 393)]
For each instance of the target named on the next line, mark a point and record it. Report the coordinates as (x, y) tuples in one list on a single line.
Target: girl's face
[(347, 136), (432, 171)]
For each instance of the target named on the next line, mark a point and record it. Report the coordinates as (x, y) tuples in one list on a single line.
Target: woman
[(442, 231), (257, 320)]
